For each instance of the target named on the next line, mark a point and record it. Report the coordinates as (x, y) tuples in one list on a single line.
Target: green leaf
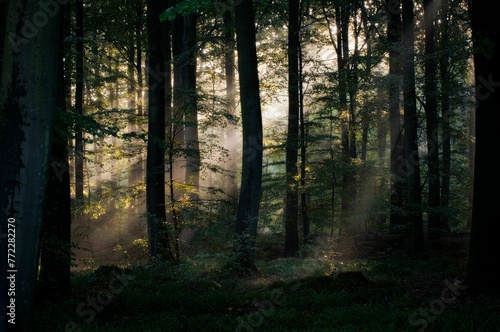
[(185, 7)]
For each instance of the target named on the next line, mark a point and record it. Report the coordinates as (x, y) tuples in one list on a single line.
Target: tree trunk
[(192, 176), (79, 142), (292, 196), (444, 76), (431, 117), (55, 262), (394, 38), (251, 177), (159, 242), (482, 271), (414, 195), (28, 100)]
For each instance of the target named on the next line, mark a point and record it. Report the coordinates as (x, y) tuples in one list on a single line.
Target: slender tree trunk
[(79, 142), (482, 271), (431, 116), (158, 237), (292, 196), (303, 152), (229, 67), (394, 37), (251, 177), (178, 98), (192, 176), (445, 116), (414, 203), (28, 100)]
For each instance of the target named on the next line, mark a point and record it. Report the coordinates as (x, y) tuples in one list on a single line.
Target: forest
[(249, 165)]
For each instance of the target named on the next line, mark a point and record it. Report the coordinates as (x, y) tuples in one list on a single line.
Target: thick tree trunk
[(292, 195), (251, 177), (158, 237), (414, 195), (55, 262), (482, 271), (28, 100)]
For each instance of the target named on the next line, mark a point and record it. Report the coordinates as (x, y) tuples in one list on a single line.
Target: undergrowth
[(295, 294)]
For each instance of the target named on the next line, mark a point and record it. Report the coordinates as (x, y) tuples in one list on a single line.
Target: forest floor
[(362, 286)]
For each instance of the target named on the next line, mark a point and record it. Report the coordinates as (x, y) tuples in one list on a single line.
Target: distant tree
[(230, 73), (292, 142), (79, 66), (28, 102), (251, 177), (482, 271)]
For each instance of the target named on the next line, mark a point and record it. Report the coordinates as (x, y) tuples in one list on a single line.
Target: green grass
[(286, 295)]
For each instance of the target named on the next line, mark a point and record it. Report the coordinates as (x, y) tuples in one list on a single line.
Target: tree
[(79, 141), (394, 39), (28, 101), (230, 73), (292, 199), (431, 116), (54, 279), (482, 272), (158, 53), (251, 173), (414, 195)]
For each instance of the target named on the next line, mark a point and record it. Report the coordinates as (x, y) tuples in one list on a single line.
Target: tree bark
[(54, 280), (394, 38), (444, 76), (482, 272), (251, 177), (158, 237), (414, 195), (28, 100), (431, 117), (79, 142)]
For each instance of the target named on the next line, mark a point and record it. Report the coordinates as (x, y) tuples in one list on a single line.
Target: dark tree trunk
[(414, 196), (251, 177), (444, 75), (28, 100), (159, 242), (292, 196), (394, 38), (55, 262), (79, 142), (431, 116), (482, 271)]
